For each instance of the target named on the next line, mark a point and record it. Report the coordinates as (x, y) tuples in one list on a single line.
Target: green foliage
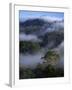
[(26, 73), (28, 47), (51, 71), (40, 72), (51, 57)]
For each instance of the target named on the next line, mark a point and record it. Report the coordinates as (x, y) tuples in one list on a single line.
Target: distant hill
[(39, 26), (36, 22), (45, 33)]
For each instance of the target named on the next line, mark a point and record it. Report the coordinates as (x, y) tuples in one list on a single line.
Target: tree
[(51, 57)]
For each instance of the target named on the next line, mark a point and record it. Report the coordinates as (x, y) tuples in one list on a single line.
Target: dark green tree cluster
[(40, 72), (51, 57), (28, 47)]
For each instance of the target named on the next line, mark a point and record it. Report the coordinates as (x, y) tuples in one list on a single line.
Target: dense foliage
[(28, 47), (41, 72), (51, 57)]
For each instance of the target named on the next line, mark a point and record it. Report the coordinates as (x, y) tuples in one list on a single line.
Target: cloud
[(51, 18), (24, 37), (55, 26)]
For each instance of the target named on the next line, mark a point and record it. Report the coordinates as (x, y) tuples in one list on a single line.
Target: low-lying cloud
[(24, 37), (51, 18)]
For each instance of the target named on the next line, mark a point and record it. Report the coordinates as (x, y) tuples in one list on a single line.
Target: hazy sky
[(24, 15)]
